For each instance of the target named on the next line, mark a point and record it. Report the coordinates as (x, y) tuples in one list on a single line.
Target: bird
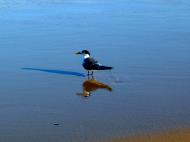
[(90, 64)]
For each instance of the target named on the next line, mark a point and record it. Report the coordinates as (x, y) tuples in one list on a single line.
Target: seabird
[(90, 64)]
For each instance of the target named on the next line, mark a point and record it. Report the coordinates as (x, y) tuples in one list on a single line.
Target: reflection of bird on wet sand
[(92, 85)]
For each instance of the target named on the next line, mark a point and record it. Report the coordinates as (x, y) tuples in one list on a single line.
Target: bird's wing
[(91, 61), (93, 64)]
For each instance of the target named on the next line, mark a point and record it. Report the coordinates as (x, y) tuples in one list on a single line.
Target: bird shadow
[(63, 72)]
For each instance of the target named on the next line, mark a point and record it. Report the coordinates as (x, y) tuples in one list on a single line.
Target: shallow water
[(147, 43)]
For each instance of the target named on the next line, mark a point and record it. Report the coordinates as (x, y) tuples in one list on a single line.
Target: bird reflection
[(91, 85)]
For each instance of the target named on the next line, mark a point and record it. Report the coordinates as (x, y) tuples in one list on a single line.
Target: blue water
[(147, 43)]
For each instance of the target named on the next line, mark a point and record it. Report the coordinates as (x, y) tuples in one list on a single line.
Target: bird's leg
[(92, 73), (88, 73)]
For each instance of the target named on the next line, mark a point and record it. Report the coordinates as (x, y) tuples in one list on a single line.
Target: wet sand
[(44, 93), (175, 135)]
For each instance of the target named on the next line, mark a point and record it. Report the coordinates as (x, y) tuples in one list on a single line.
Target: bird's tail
[(105, 68)]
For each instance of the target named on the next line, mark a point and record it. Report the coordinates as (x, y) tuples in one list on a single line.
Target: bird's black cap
[(84, 52)]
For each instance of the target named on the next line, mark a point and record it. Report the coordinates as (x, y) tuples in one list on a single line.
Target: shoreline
[(173, 135)]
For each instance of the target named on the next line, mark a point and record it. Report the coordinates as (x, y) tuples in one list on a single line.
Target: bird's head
[(84, 53)]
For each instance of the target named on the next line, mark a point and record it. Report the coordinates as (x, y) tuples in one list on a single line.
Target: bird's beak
[(78, 53)]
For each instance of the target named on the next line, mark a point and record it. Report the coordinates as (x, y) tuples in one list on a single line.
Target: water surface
[(147, 43)]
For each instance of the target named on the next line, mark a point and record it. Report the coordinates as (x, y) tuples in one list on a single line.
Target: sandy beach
[(175, 135)]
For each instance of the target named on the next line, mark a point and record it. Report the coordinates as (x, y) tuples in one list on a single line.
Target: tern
[(90, 64)]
